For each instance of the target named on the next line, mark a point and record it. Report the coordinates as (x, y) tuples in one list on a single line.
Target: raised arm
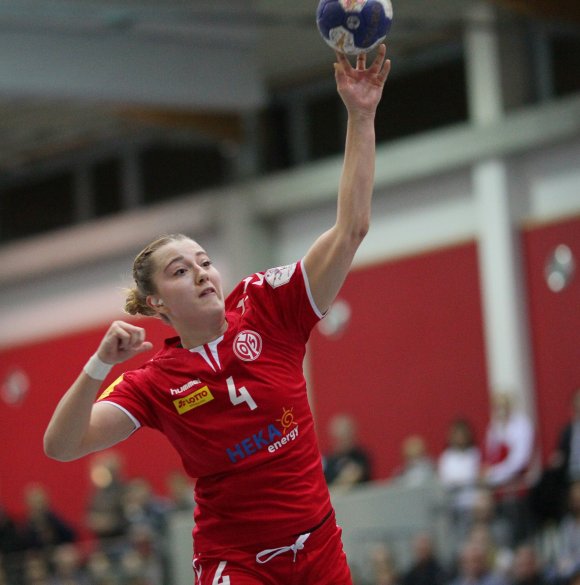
[(329, 259), (78, 425)]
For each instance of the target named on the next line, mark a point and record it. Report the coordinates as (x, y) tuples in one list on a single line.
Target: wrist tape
[(97, 369)]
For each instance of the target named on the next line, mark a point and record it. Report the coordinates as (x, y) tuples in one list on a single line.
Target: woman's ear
[(154, 302)]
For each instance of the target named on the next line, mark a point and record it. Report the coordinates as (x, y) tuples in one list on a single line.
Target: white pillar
[(484, 90), (504, 293), (509, 363)]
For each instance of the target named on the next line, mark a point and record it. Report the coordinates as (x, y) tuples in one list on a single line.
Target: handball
[(354, 26)]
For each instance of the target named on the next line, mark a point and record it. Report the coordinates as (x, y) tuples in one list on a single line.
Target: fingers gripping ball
[(354, 26)]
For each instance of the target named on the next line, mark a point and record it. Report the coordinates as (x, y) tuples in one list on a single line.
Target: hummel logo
[(185, 387)]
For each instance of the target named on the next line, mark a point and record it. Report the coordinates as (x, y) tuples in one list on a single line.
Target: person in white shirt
[(509, 444), (508, 461), (458, 469)]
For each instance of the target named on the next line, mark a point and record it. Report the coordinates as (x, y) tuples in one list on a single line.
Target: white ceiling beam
[(191, 70), (313, 185)]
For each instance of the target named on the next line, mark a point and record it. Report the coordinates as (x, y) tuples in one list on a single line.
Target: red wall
[(50, 367), (412, 357), (555, 326)]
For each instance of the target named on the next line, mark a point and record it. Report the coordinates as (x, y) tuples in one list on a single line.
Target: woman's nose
[(201, 274)]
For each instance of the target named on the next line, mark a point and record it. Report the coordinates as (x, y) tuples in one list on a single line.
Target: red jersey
[(237, 412)]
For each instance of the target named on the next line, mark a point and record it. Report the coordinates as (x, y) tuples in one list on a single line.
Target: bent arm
[(521, 446), (79, 426), (329, 259)]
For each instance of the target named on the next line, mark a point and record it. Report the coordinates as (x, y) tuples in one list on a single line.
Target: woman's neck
[(194, 337)]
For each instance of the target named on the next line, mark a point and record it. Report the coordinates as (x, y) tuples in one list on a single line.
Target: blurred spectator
[(484, 513), (527, 567), (418, 467), (142, 506), (105, 517), (567, 454), (549, 496), (146, 516), (498, 558), (347, 464), (508, 462), (574, 579), (180, 489), (42, 527), (509, 445), (67, 566), (141, 563), (100, 569), (425, 568), (35, 569), (382, 566), (568, 561), (10, 544), (474, 567), (458, 469), (9, 537)]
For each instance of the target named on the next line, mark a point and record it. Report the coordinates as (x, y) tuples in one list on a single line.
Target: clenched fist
[(121, 342)]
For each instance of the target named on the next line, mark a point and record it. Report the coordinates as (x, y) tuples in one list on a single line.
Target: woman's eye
[(180, 271), (206, 263)]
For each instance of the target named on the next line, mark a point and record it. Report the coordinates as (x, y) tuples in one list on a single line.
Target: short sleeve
[(281, 296), (128, 393)]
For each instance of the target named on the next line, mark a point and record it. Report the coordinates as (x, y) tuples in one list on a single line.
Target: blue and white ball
[(354, 26)]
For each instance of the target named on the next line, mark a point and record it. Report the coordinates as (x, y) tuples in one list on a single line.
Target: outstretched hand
[(360, 87), (121, 342)]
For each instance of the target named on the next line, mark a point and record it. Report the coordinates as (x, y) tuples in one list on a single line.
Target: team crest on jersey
[(281, 275), (248, 345)]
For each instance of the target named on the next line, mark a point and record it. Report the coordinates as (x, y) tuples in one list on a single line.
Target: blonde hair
[(143, 270)]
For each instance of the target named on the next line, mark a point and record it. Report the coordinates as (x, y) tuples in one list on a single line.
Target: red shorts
[(315, 558)]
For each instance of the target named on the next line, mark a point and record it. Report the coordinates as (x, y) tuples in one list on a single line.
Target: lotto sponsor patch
[(193, 400)]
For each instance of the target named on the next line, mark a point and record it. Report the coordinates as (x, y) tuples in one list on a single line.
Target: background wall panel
[(411, 358), (555, 325), (34, 377)]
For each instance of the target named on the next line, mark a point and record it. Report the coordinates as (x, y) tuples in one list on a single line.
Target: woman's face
[(460, 436), (188, 285), (502, 406)]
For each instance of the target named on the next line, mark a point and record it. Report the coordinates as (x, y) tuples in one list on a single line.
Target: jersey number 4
[(218, 579), (240, 395)]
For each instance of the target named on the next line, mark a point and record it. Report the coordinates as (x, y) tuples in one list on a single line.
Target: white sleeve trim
[(316, 310), (133, 419)]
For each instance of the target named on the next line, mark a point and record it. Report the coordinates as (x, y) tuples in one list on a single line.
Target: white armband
[(97, 369)]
